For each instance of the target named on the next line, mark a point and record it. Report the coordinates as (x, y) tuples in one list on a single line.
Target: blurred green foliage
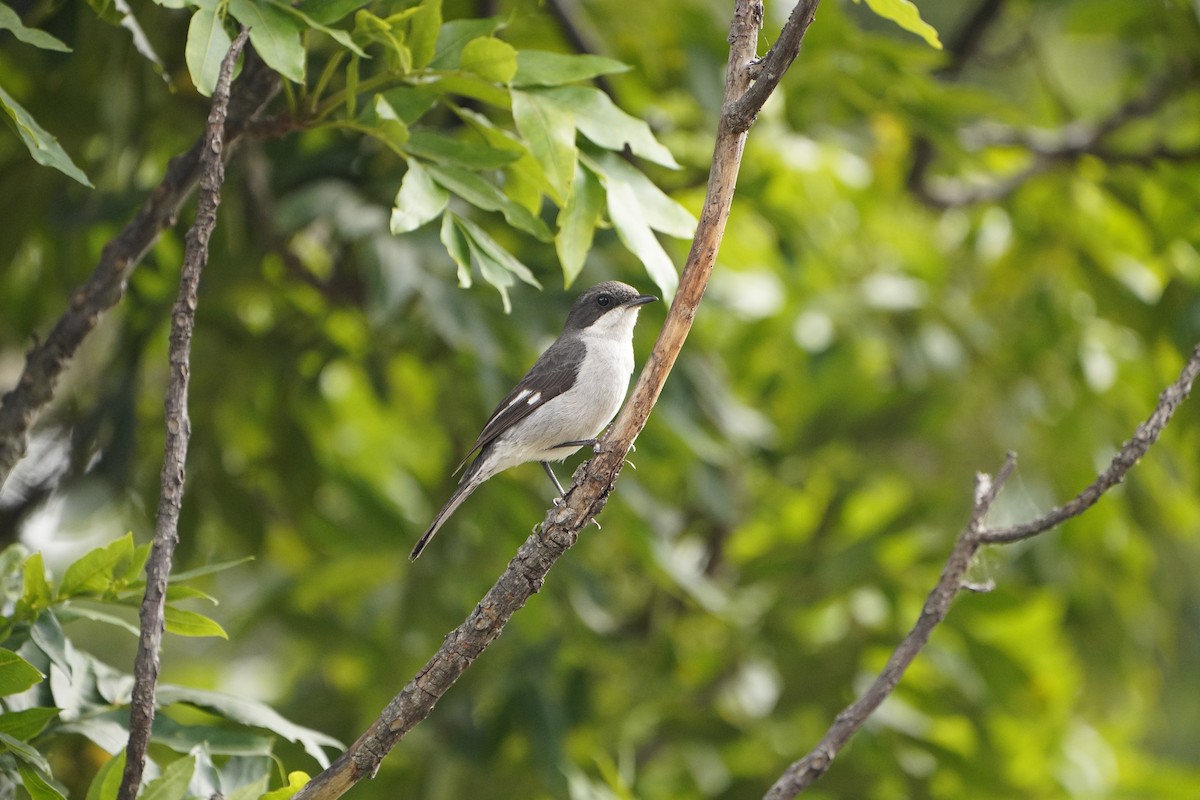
[(859, 355)]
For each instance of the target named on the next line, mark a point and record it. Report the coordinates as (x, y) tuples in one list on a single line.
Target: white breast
[(586, 408)]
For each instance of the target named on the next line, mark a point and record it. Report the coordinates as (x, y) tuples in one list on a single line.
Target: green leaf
[(73, 611), (96, 570), (419, 200), (108, 779), (341, 37), (577, 223), (37, 783), (26, 724), (182, 622), (9, 20), (137, 564), (626, 214), (599, 119), (36, 592), (16, 674), (388, 32), (542, 68), (658, 210), (906, 15), (209, 569), (388, 126), (172, 784), (490, 248), (489, 58), (223, 741), (44, 148), (481, 194), (328, 12), (456, 152), (296, 781), (25, 752), (453, 37), (456, 245), (550, 132), (176, 593), (274, 34), (468, 85), (248, 712), (423, 30), (251, 791), (411, 102)]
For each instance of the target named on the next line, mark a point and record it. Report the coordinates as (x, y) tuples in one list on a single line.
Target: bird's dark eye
[(604, 300)]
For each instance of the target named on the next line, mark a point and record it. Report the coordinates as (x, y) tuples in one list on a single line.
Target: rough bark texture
[(170, 500)]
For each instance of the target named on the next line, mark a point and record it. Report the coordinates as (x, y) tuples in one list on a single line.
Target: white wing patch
[(521, 396), (533, 399)]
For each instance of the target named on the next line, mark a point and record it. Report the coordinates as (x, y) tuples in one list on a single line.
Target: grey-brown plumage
[(570, 393)]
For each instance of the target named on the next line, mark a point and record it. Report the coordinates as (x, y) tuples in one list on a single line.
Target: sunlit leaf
[(542, 68), (489, 58), (95, 571), (16, 674), (481, 194), (627, 217), (550, 132), (599, 119), (456, 245), (296, 782), (419, 200), (424, 27), (577, 223), (36, 593), (454, 36), (188, 623), (905, 14), (658, 210)]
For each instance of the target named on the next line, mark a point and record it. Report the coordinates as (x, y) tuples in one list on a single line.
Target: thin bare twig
[(769, 70), (106, 286), (166, 527), (803, 773), (594, 480)]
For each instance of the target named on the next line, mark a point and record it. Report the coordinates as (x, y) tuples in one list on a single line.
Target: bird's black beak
[(641, 300)]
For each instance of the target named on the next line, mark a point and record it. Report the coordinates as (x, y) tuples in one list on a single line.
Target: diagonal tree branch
[(594, 480), (166, 527), (44, 364), (803, 773)]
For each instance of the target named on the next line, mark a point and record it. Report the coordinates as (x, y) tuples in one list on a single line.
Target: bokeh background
[(934, 257)]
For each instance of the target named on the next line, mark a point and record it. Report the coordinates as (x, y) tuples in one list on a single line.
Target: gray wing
[(551, 375)]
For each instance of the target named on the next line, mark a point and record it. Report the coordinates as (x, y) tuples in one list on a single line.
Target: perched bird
[(570, 393)]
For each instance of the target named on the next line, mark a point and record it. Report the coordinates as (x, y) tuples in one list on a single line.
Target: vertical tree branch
[(166, 527), (44, 364)]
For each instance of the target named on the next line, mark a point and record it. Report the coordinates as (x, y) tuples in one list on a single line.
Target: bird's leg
[(553, 477), (578, 443)]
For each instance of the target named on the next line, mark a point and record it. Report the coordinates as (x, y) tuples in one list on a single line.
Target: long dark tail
[(460, 494)]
